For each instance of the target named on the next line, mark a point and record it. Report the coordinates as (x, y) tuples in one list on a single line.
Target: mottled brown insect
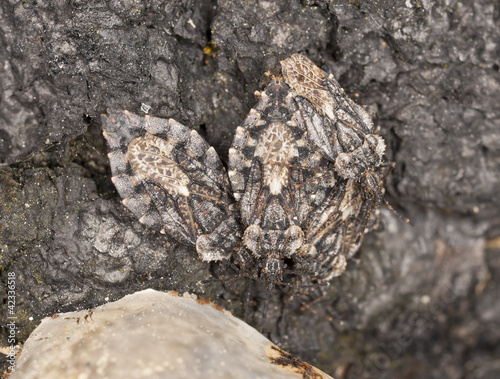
[(305, 169), (173, 181), (345, 133), (342, 129), (278, 179)]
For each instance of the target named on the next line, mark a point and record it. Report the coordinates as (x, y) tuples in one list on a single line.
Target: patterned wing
[(337, 226), (267, 158), (335, 123), (272, 172), (342, 129), (170, 178)]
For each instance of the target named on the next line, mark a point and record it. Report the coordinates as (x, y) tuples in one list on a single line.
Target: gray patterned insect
[(342, 129), (278, 180), (345, 133), (305, 168), (173, 181)]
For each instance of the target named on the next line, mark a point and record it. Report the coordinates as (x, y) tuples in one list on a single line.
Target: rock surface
[(152, 334)]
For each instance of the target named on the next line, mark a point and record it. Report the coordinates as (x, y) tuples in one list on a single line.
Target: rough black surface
[(421, 302)]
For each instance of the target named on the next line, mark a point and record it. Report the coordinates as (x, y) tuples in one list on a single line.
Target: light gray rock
[(153, 334)]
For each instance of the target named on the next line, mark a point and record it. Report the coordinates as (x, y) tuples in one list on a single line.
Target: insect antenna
[(395, 213), (309, 306), (391, 166)]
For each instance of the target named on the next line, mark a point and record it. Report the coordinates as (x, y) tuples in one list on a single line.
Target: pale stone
[(153, 334)]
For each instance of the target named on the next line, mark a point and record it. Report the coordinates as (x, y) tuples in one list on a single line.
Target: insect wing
[(334, 122), (270, 164), (337, 226), (167, 175), (266, 161)]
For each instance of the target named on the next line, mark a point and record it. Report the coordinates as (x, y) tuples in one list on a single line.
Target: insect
[(305, 172), (342, 129), (173, 181), (278, 179), (345, 133)]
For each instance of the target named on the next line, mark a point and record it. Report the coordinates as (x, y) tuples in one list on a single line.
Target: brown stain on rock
[(289, 363)]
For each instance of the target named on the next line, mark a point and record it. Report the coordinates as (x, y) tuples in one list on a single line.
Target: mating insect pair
[(304, 175)]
